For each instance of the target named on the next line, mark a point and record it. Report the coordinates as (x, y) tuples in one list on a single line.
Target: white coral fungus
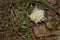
[(37, 15)]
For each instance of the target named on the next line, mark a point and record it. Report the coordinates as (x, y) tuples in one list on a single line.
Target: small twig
[(15, 29), (21, 35), (32, 34), (53, 7), (50, 6), (38, 26)]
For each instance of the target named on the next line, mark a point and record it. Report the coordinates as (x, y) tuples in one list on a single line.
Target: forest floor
[(14, 26)]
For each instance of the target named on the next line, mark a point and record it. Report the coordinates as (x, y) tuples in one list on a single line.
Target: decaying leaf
[(48, 25), (41, 31), (37, 32), (44, 30)]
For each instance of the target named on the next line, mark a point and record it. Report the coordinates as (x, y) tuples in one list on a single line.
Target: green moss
[(53, 24)]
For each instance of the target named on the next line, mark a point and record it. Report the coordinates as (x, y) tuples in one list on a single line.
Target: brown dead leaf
[(48, 25), (44, 30), (37, 32), (41, 31)]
